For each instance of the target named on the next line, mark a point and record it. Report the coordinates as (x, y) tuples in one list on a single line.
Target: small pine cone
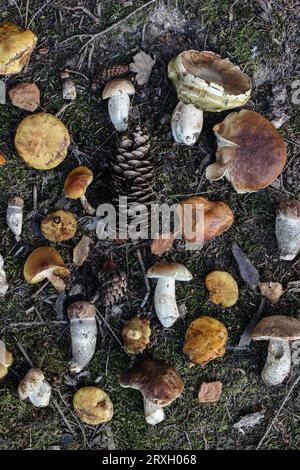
[(109, 74), (114, 288)]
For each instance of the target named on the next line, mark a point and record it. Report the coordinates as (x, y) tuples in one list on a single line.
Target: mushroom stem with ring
[(87, 206), (154, 413)]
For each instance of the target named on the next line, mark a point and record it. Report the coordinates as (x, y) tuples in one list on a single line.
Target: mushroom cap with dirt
[(251, 153), (288, 229), (279, 330), (6, 360), (118, 92), (136, 335), (223, 289), (205, 340), (76, 184), (159, 383), (16, 46), (208, 82), (42, 141), (34, 387), (92, 405), (59, 226)]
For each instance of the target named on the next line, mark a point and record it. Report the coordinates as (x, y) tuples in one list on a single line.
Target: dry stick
[(278, 412), (36, 323), (111, 330), (62, 110), (34, 197), (84, 10), (21, 348), (26, 14), (148, 290), (38, 12)]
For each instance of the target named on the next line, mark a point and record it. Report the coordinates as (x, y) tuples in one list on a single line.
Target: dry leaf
[(160, 245), (210, 392), (82, 250), (25, 96), (142, 67), (247, 270), (271, 290), (248, 421)]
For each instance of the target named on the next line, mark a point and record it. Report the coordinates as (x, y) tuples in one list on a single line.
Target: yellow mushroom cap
[(136, 335), (77, 182), (16, 46), (59, 225), (93, 405), (42, 141), (223, 289), (205, 340), (41, 261)]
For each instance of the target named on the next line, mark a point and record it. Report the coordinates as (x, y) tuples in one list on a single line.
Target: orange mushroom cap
[(77, 182)]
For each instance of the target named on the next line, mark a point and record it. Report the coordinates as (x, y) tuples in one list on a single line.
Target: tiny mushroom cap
[(34, 387), (77, 182), (279, 327), (165, 269), (93, 405), (136, 334), (119, 86), (59, 225), (16, 46)]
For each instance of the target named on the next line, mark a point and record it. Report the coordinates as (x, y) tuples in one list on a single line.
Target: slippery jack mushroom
[(35, 388), (288, 229), (59, 226), (46, 263), (118, 92), (93, 406), (279, 330), (136, 335), (76, 185), (6, 360), (165, 304), (83, 328), (223, 289), (159, 383), (14, 216), (16, 46)]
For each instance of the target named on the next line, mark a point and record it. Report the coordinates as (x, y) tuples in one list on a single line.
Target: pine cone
[(114, 288), (110, 73)]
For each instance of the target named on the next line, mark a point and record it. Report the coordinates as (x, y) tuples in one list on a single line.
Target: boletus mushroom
[(136, 335), (118, 92), (35, 388), (76, 185), (6, 360), (288, 229), (159, 383), (167, 273), (59, 226), (46, 263), (279, 330), (14, 216), (92, 405), (251, 153), (16, 46), (223, 289), (42, 141)]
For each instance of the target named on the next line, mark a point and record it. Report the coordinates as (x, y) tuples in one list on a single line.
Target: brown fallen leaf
[(142, 66), (271, 290), (25, 96), (210, 392), (82, 250), (160, 245)]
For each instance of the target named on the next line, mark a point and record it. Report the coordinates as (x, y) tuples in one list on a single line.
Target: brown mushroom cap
[(41, 261), (168, 269), (16, 46), (59, 225), (119, 86), (30, 383), (223, 289), (81, 309), (156, 380), (77, 182), (93, 405), (253, 154), (290, 209), (42, 141), (136, 335), (277, 327)]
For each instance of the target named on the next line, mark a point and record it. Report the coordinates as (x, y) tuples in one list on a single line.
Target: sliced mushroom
[(16, 46), (76, 185), (35, 388), (288, 229), (118, 92), (93, 406)]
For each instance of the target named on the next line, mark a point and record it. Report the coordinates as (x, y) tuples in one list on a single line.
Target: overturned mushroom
[(279, 330), (14, 216), (16, 46), (186, 123), (118, 92), (93, 405), (6, 360), (46, 263), (59, 226), (83, 327), (165, 304), (288, 229), (76, 185), (35, 388), (159, 383), (136, 334), (223, 289)]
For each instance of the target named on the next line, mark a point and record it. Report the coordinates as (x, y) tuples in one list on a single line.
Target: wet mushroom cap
[(136, 335), (165, 269), (254, 155), (77, 182), (41, 261), (30, 383), (42, 141), (81, 309), (119, 86), (16, 46), (59, 225), (223, 289), (156, 380), (93, 405), (277, 327)]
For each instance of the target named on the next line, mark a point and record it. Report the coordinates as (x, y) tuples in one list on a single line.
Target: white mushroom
[(164, 298), (186, 123), (83, 329), (14, 216), (288, 229), (35, 388), (118, 92), (3, 283)]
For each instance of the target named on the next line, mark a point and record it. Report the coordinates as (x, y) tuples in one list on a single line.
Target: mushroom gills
[(154, 413), (118, 109), (165, 302), (186, 123), (278, 363), (84, 338)]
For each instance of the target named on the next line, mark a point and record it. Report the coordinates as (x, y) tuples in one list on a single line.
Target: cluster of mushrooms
[(251, 154)]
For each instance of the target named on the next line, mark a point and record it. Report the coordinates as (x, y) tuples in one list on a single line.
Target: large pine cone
[(114, 288), (109, 74)]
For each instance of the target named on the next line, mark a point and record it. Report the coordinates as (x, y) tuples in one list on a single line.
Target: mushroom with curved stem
[(167, 274), (59, 226), (288, 229), (118, 92), (76, 185), (6, 360), (14, 216), (279, 330), (186, 123), (159, 383), (92, 405), (35, 388), (83, 327)]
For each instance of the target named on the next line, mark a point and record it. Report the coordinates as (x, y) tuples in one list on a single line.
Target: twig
[(26, 14), (40, 289), (65, 420), (36, 323), (21, 348), (38, 12), (111, 330), (62, 110), (34, 197), (84, 10), (148, 289)]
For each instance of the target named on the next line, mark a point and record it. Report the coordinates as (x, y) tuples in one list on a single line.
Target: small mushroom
[(136, 335), (186, 123), (35, 388), (205, 340), (92, 405), (6, 360), (14, 216), (118, 92), (279, 330), (159, 383), (288, 229), (76, 185), (59, 226), (164, 298), (68, 86), (3, 282), (16, 46), (223, 289), (46, 263), (83, 327)]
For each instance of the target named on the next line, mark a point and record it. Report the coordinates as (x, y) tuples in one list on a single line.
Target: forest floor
[(262, 37)]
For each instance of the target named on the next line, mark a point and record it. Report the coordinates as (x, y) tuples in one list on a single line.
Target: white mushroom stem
[(186, 123), (165, 301), (57, 282), (154, 413), (278, 363), (14, 216), (3, 283), (118, 110), (87, 206), (84, 338), (288, 236)]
